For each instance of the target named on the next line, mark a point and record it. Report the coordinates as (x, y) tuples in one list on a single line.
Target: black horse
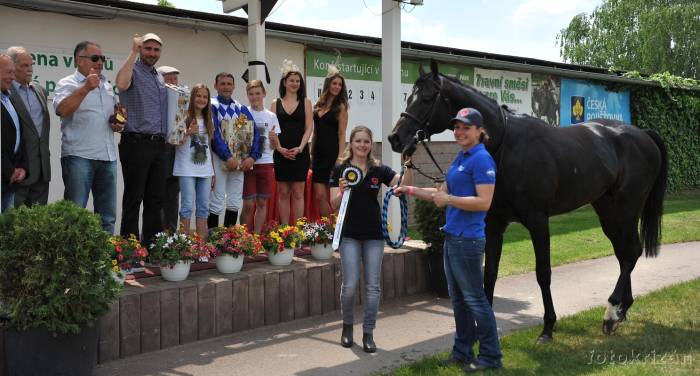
[(544, 171)]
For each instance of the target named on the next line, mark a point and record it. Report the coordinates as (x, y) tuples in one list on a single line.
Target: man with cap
[(170, 74), (142, 146), (172, 183), (467, 193)]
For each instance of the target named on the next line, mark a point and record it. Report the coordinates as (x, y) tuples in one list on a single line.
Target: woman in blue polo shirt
[(467, 194)]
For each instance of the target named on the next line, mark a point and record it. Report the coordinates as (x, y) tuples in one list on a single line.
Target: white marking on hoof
[(611, 312)]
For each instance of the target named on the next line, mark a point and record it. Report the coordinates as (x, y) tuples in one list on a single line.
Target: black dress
[(292, 127), (325, 145)]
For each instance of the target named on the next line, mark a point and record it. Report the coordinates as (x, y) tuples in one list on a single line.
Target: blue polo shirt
[(471, 168)]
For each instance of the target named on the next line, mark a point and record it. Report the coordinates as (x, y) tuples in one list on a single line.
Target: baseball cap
[(469, 116), (167, 70), (150, 36)]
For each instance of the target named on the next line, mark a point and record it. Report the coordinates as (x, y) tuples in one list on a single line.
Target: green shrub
[(429, 220), (55, 268)]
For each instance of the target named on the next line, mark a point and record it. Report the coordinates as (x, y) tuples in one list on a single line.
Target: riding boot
[(368, 343), (346, 337), (230, 218), (213, 220)]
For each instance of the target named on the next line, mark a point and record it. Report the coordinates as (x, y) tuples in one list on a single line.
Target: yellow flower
[(293, 245), (114, 262), (115, 269)]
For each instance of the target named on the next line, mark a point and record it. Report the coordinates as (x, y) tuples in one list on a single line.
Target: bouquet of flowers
[(126, 252), (238, 134), (234, 241), (169, 249), (178, 103), (319, 231), (276, 238)]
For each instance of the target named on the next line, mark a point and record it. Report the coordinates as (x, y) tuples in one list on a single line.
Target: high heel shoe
[(346, 337), (368, 343)]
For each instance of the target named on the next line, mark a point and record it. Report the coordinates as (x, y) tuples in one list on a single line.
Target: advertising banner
[(51, 65), (546, 91), (513, 89), (582, 101), (363, 79)]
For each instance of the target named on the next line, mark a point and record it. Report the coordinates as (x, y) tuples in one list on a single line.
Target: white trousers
[(228, 187)]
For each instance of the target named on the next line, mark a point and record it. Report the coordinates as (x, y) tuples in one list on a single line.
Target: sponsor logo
[(578, 109)]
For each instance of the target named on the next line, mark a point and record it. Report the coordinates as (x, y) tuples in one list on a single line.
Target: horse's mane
[(462, 85)]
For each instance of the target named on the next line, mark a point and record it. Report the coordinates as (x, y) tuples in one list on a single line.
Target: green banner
[(369, 68), (410, 69), (352, 67)]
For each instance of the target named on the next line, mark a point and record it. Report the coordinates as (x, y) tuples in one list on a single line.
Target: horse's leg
[(495, 227), (538, 226), (621, 228)]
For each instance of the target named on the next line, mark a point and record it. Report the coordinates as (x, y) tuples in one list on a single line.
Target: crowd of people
[(221, 165), (165, 184)]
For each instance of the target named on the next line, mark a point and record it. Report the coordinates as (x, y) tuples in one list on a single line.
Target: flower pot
[(281, 258), (228, 264), (177, 272), (322, 251), (36, 351), (119, 276)]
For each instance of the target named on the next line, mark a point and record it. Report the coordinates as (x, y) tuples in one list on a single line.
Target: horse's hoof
[(544, 339), (610, 326)]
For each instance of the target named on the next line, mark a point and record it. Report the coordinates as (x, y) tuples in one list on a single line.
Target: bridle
[(421, 135)]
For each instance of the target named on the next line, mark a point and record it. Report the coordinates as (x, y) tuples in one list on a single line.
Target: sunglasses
[(95, 58)]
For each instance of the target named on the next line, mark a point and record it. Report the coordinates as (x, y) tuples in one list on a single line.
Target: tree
[(166, 3), (650, 36)]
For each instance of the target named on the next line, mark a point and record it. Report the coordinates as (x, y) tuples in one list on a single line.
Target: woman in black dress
[(330, 123), (291, 158)]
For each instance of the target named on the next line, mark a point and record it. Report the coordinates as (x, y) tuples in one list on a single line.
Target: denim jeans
[(8, 199), (82, 176), (474, 317), (352, 251), (194, 191)]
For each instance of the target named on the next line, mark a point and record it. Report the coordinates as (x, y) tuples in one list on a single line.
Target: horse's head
[(428, 112)]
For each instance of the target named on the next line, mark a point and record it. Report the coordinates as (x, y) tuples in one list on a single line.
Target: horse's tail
[(650, 231)]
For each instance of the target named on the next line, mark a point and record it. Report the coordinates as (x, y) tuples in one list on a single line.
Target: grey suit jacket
[(36, 145)]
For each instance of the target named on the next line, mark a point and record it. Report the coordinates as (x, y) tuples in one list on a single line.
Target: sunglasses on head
[(95, 58)]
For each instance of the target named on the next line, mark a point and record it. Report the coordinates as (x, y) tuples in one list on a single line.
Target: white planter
[(228, 264), (177, 272), (281, 258), (119, 276), (322, 251)]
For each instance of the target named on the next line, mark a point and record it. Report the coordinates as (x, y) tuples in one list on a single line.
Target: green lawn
[(654, 341), (577, 235)]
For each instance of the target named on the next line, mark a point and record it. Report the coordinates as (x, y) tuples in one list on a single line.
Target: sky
[(525, 28)]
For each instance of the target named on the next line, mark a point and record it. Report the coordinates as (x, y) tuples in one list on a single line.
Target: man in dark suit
[(14, 159), (30, 104)]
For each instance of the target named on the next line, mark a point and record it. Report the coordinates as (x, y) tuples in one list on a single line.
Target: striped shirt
[(146, 101)]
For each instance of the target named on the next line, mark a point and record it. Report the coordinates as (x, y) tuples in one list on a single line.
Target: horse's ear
[(421, 71), (434, 67)]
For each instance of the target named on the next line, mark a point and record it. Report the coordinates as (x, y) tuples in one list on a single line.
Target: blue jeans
[(81, 176), (8, 199), (352, 251), (194, 190), (474, 317)]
